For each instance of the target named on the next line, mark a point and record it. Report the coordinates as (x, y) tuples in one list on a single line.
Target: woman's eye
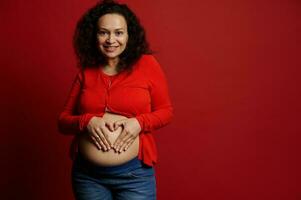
[(101, 32), (119, 33)]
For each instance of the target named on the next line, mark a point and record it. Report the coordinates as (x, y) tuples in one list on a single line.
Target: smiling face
[(112, 35)]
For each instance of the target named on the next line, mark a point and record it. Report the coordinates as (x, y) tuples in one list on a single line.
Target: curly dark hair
[(85, 37)]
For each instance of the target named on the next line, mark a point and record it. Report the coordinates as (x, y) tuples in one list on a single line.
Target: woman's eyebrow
[(108, 29)]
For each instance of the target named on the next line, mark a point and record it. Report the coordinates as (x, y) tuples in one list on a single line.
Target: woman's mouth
[(110, 48)]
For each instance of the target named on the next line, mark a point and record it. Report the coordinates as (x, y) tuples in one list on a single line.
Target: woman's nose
[(110, 39)]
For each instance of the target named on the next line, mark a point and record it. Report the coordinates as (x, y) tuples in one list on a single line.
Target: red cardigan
[(143, 94)]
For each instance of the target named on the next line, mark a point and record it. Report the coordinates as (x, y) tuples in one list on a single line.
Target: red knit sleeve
[(68, 121), (162, 110)]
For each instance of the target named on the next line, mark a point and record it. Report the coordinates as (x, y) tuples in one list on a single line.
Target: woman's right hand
[(98, 132)]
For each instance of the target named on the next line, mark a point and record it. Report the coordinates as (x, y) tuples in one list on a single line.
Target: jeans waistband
[(125, 167)]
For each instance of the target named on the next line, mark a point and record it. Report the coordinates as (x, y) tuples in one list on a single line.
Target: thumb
[(111, 126), (119, 123)]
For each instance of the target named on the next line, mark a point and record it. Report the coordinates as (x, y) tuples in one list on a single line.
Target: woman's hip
[(131, 180)]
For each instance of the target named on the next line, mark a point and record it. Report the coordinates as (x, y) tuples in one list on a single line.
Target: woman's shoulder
[(149, 63), (88, 71), (148, 58), (84, 74)]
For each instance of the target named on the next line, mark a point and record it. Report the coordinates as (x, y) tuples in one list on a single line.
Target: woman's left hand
[(131, 129)]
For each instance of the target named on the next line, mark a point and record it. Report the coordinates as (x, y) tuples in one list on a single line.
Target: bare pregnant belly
[(107, 158)]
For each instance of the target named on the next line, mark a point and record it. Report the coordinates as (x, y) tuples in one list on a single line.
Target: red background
[(233, 72)]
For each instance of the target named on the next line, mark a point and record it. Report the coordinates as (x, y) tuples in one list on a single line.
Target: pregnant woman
[(118, 98)]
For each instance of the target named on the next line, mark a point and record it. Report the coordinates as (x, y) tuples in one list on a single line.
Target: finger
[(119, 123), (129, 144), (95, 138), (103, 146), (119, 138), (123, 142), (101, 139), (110, 125), (105, 133), (96, 142)]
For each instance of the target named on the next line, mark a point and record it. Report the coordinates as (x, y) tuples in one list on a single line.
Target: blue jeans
[(132, 180)]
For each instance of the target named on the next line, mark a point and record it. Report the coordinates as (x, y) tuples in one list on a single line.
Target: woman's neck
[(112, 63), (110, 67)]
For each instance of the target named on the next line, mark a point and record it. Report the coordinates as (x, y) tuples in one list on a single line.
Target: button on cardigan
[(141, 93)]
